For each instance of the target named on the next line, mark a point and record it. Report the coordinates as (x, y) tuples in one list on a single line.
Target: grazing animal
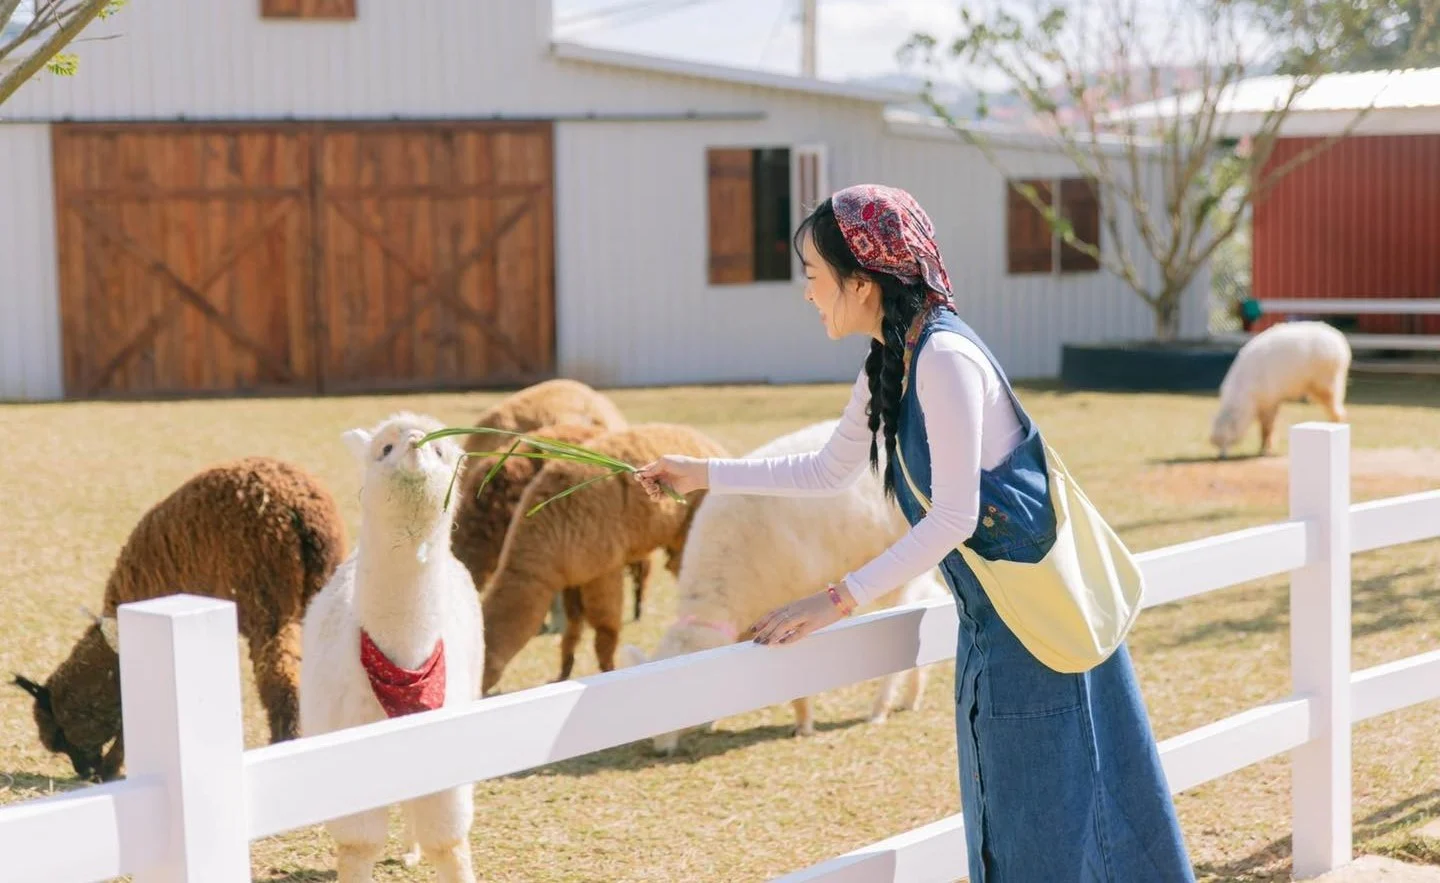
[(483, 516), (585, 539), (259, 532), (1283, 363), (545, 404), (397, 630), (747, 554)]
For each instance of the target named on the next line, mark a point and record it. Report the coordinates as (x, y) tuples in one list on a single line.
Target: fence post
[(1320, 784), (180, 688)]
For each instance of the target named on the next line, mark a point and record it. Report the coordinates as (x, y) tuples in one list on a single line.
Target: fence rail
[(194, 799)]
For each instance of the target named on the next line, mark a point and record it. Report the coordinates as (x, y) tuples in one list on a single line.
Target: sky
[(858, 38)]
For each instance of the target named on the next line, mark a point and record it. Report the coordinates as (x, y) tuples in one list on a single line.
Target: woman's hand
[(788, 624), (682, 474)]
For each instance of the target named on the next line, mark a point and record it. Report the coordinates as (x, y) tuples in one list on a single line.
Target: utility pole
[(808, 32)]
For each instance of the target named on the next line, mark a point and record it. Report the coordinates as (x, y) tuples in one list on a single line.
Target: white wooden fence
[(1356, 307), (194, 799)]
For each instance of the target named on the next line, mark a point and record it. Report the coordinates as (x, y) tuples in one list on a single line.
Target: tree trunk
[(1167, 316)]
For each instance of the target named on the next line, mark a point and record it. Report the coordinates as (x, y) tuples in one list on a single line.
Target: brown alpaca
[(484, 516), (258, 532), (546, 403), (585, 539)]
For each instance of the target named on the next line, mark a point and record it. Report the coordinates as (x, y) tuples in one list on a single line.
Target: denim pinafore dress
[(1060, 779)]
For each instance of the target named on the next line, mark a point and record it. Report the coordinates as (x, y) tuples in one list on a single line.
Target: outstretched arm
[(817, 473), (829, 470), (950, 387)]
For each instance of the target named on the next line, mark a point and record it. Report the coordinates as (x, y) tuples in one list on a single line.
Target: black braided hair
[(900, 303)]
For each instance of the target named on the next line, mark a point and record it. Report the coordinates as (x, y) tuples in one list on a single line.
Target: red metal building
[(1359, 220)]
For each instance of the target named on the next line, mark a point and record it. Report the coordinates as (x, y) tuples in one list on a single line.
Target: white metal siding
[(635, 308), (1024, 319), (30, 331), (440, 58), (634, 304)]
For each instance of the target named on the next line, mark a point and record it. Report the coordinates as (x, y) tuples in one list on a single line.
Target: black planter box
[(1145, 365)]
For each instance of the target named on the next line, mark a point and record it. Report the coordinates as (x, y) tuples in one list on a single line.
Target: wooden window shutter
[(1080, 204), (312, 9), (1029, 239), (731, 227), (812, 185)]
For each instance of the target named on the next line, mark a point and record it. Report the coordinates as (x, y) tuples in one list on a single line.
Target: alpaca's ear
[(358, 441), (110, 631)]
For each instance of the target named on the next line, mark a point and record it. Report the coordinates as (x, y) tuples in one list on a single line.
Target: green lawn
[(749, 802)]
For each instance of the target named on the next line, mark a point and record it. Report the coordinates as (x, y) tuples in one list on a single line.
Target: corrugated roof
[(1390, 90), (738, 76)]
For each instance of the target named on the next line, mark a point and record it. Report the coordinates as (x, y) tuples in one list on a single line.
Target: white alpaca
[(1283, 363), (747, 554), (408, 593)]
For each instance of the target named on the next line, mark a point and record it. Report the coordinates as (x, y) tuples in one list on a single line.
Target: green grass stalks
[(545, 449)]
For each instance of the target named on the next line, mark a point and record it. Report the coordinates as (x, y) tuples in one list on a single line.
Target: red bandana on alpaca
[(401, 690)]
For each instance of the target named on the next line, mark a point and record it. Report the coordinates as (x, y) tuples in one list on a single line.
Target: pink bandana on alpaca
[(888, 232)]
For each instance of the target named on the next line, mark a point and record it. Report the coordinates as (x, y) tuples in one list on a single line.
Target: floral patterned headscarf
[(888, 232)]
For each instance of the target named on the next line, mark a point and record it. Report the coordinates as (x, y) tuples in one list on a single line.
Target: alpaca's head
[(1229, 426), (404, 483), (77, 709)]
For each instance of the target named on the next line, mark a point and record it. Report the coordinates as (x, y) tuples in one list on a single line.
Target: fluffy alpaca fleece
[(1283, 363), (748, 554), (545, 404), (483, 518), (259, 532), (407, 591), (585, 540)]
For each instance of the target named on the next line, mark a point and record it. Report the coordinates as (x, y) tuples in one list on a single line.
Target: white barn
[(293, 196)]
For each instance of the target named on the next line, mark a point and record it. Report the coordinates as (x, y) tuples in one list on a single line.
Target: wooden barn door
[(436, 248), (184, 259), (313, 257)]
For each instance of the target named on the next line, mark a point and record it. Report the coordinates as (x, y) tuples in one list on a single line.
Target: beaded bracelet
[(837, 600)]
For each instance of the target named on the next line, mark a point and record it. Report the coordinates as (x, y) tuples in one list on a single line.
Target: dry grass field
[(748, 801)]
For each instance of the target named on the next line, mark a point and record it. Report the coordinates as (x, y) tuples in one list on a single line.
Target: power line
[(786, 14), (625, 13)]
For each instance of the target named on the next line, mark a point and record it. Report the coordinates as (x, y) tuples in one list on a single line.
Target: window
[(756, 197), (1031, 246), (317, 9)]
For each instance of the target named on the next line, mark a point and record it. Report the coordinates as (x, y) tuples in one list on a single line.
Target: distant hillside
[(1005, 107)]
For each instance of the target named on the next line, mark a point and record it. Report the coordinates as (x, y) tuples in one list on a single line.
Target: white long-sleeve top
[(970, 425)]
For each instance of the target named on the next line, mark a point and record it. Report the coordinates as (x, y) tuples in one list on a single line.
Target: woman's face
[(849, 307)]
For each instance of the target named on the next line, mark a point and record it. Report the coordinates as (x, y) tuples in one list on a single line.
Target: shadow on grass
[(1379, 824), (306, 876), (1171, 520), (1377, 606), (20, 782), (1210, 458), (694, 745)]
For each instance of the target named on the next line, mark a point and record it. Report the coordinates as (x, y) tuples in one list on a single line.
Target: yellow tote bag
[(1075, 606)]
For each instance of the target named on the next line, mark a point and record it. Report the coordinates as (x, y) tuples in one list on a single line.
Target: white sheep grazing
[(418, 606), (1283, 363), (749, 553)]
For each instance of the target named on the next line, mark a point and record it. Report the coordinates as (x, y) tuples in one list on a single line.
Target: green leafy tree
[(33, 33), (1388, 33), (1146, 128)]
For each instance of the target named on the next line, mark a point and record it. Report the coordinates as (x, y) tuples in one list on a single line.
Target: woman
[(1060, 779)]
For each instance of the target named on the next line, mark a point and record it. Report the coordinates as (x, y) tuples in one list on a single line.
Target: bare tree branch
[(1093, 62), (68, 21)]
